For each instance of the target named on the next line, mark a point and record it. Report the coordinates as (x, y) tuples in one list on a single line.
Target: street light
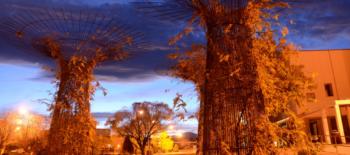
[(140, 112), (171, 127), (23, 111)]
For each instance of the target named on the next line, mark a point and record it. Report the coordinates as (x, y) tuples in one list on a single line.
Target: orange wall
[(328, 66)]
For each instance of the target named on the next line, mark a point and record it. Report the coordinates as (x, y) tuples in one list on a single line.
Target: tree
[(248, 77), (144, 120), (37, 144), (163, 142), (128, 146), (6, 132), (25, 130), (31, 132)]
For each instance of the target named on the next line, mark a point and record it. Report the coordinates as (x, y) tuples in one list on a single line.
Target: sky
[(23, 82)]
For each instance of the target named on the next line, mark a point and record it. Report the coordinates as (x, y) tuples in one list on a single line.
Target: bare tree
[(144, 120), (31, 132), (7, 128)]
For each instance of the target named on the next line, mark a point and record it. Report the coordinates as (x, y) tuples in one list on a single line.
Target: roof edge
[(317, 50)]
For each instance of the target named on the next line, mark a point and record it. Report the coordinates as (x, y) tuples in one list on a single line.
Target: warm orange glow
[(171, 127), (23, 111), (140, 112), (179, 135), (19, 122)]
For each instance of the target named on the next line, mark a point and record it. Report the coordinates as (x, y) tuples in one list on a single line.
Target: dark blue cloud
[(144, 63), (320, 24), (316, 23)]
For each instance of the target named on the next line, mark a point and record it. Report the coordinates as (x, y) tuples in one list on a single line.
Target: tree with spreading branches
[(77, 41), (248, 79), (143, 121)]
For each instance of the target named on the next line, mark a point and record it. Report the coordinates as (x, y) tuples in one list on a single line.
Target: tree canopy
[(139, 124)]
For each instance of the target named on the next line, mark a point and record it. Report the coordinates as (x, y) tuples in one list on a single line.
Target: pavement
[(340, 149), (327, 149)]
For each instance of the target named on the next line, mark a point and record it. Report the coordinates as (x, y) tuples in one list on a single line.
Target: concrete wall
[(327, 66)]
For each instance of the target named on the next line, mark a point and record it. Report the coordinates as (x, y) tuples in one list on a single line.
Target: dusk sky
[(319, 24)]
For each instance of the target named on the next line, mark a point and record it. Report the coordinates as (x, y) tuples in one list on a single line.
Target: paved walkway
[(340, 149)]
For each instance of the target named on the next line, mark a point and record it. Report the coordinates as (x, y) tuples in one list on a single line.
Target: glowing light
[(19, 122), (179, 135), (17, 128), (23, 111), (109, 145), (140, 112), (275, 143), (171, 127)]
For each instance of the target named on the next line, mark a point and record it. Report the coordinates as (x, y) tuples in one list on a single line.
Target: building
[(327, 109)]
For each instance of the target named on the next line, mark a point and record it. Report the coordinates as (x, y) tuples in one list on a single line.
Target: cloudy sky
[(318, 24)]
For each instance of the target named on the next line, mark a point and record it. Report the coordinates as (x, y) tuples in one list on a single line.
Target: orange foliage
[(245, 79)]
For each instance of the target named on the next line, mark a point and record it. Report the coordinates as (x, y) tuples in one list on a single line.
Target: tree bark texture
[(232, 96), (72, 127)]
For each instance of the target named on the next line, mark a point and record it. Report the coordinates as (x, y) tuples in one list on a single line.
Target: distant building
[(104, 133), (106, 141), (328, 119)]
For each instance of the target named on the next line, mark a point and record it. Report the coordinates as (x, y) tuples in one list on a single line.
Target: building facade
[(327, 110)]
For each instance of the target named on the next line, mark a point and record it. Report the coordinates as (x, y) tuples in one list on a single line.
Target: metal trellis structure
[(77, 40)]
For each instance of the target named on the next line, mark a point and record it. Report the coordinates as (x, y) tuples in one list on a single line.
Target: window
[(313, 127), (329, 89)]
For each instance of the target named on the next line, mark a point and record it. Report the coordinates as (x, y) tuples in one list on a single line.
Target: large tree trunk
[(231, 91), (142, 150), (72, 127)]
